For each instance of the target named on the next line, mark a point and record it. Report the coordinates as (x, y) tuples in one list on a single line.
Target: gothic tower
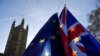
[(17, 39)]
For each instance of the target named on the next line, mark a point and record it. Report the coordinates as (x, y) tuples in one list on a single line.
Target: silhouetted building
[(1, 54), (17, 39)]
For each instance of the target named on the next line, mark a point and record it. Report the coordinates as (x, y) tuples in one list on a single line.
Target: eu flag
[(77, 41), (47, 42)]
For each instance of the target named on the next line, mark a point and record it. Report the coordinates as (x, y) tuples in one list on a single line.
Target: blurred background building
[(17, 39)]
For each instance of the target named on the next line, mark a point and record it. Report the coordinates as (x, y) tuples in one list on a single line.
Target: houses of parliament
[(16, 43)]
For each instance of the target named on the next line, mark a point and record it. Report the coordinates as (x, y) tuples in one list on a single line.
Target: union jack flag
[(76, 39)]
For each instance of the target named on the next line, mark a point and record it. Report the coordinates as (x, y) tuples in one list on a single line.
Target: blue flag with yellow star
[(47, 41)]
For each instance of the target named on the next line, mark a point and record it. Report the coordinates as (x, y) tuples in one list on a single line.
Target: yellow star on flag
[(74, 53), (53, 37), (76, 39), (72, 29), (42, 41), (61, 25)]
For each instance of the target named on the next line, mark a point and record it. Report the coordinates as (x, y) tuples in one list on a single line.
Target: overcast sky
[(37, 12)]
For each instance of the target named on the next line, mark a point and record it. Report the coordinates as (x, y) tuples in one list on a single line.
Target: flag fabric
[(77, 41), (47, 41), (63, 31), (63, 36)]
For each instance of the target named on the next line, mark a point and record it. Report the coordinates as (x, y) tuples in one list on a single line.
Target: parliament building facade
[(17, 39)]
